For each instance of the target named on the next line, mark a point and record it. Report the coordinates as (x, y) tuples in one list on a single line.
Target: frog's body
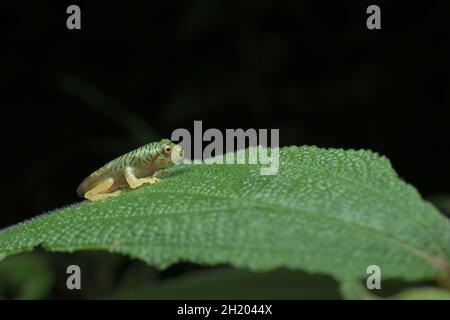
[(130, 170)]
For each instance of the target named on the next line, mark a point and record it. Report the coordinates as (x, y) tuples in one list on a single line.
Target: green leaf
[(327, 210), (355, 290), (26, 276), (423, 294), (236, 284)]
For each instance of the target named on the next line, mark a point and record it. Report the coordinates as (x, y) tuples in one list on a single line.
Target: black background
[(74, 99)]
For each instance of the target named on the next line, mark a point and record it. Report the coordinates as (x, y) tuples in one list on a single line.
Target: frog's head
[(169, 153)]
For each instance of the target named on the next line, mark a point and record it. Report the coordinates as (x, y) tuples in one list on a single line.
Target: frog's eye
[(167, 149)]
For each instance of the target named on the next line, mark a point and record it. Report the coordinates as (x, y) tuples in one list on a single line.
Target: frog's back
[(113, 167), (131, 158)]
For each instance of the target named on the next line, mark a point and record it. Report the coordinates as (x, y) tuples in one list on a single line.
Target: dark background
[(73, 100)]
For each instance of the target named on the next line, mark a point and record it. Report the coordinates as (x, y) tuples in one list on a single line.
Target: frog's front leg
[(151, 179), (100, 191), (135, 182)]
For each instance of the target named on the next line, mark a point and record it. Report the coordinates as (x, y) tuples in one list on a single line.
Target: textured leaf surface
[(327, 210)]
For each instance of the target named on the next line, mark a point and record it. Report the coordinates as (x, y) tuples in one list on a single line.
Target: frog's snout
[(177, 155)]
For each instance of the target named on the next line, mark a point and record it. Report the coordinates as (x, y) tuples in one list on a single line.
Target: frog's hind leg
[(135, 182), (100, 191)]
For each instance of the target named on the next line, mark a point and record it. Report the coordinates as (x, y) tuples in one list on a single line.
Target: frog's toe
[(151, 180)]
